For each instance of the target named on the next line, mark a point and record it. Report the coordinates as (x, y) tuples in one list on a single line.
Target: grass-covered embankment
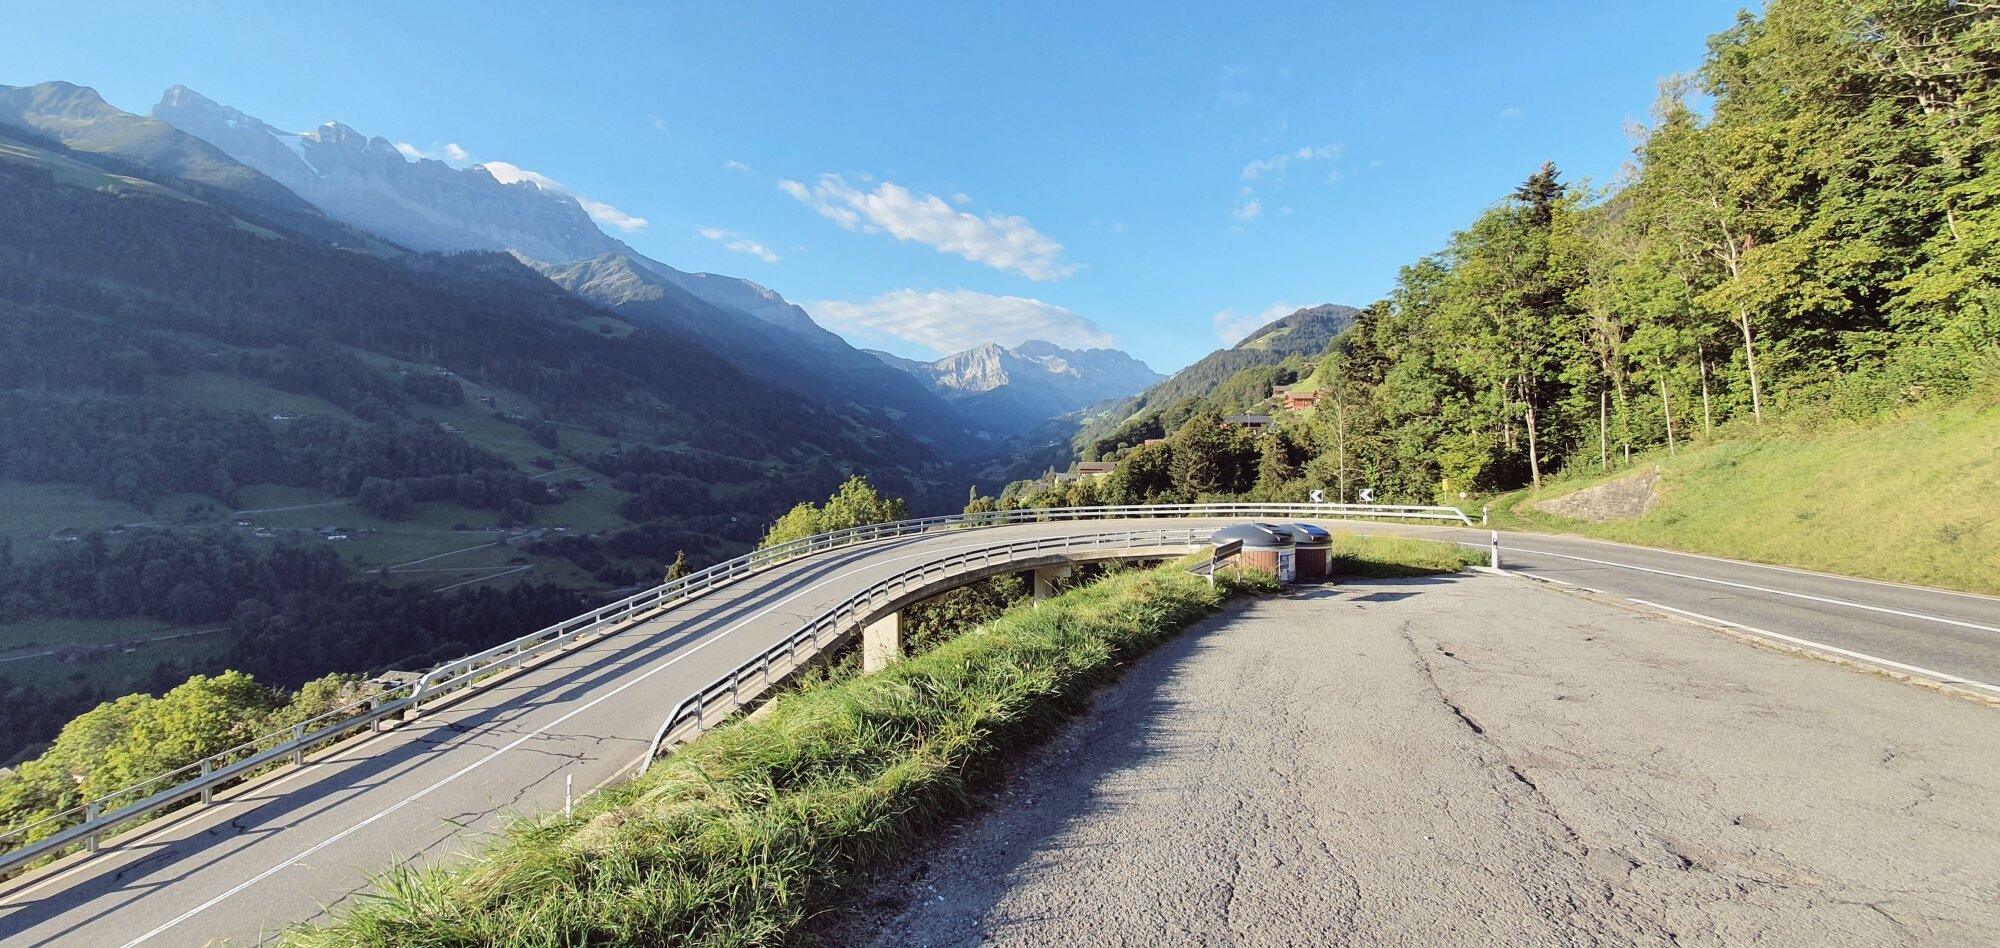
[(1912, 499), (738, 837)]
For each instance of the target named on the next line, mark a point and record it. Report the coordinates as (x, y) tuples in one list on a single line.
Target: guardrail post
[(207, 793), (1496, 549), (298, 753), (90, 816)]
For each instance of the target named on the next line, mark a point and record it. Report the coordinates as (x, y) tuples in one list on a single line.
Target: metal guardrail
[(1217, 555), (88, 822), (743, 684)]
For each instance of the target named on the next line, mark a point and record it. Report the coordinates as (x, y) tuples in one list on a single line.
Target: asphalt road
[(1473, 761), (283, 851)]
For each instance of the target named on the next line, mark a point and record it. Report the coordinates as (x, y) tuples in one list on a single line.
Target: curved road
[(281, 851)]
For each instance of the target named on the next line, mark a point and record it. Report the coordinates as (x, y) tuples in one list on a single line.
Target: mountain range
[(1015, 389), (429, 205)]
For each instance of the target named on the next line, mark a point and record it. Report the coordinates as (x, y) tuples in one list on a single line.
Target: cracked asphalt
[(1473, 761)]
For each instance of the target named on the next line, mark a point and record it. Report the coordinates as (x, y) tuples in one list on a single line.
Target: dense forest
[(1809, 227)]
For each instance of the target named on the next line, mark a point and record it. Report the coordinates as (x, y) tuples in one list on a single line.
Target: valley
[(205, 377)]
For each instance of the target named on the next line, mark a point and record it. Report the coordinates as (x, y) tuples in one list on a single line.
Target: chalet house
[(1300, 401), (1278, 392), (1094, 468), (1252, 422)]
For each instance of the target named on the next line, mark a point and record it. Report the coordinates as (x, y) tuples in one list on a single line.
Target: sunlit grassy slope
[(1915, 499)]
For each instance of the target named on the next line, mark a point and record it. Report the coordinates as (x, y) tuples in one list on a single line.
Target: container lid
[(1255, 536), (1305, 534)]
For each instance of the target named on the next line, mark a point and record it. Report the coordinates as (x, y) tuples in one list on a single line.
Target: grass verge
[(1387, 557), (1909, 499), (741, 835)]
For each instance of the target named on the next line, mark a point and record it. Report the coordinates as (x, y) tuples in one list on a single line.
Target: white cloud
[(734, 165), (1232, 327), (956, 320), (1248, 210), (599, 211), (451, 152), (738, 243), (1000, 241), (1511, 112), (1276, 164), (1333, 176)]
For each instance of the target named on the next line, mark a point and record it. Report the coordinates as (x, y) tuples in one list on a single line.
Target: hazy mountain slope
[(175, 265), (365, 181), (814, 364), (1016, 389), (746, 297), (430, 205), (82, 121), (1306, 332)]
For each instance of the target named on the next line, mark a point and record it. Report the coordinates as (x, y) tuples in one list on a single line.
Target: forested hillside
[(1159, 409), (1809, 229)]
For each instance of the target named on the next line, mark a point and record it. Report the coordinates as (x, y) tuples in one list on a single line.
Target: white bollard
[(569, 780), (1496, 549), (1482, 515)]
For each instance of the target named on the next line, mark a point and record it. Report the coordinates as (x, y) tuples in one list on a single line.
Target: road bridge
[(291, 846)]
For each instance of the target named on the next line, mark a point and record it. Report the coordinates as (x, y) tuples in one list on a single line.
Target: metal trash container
[(1312, 546), (1265, 546)]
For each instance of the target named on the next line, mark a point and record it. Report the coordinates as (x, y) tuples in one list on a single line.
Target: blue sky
[(922, 176)]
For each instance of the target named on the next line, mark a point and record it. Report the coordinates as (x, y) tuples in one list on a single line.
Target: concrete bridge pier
[(1045, 579), (882, 642)]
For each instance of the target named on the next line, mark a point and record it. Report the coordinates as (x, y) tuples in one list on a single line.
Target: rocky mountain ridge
[(1016, 388)]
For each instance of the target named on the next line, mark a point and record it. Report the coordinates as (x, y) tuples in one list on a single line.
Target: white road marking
[(1949, 679), (1755, 565), (406, 801), (1764, 589)]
